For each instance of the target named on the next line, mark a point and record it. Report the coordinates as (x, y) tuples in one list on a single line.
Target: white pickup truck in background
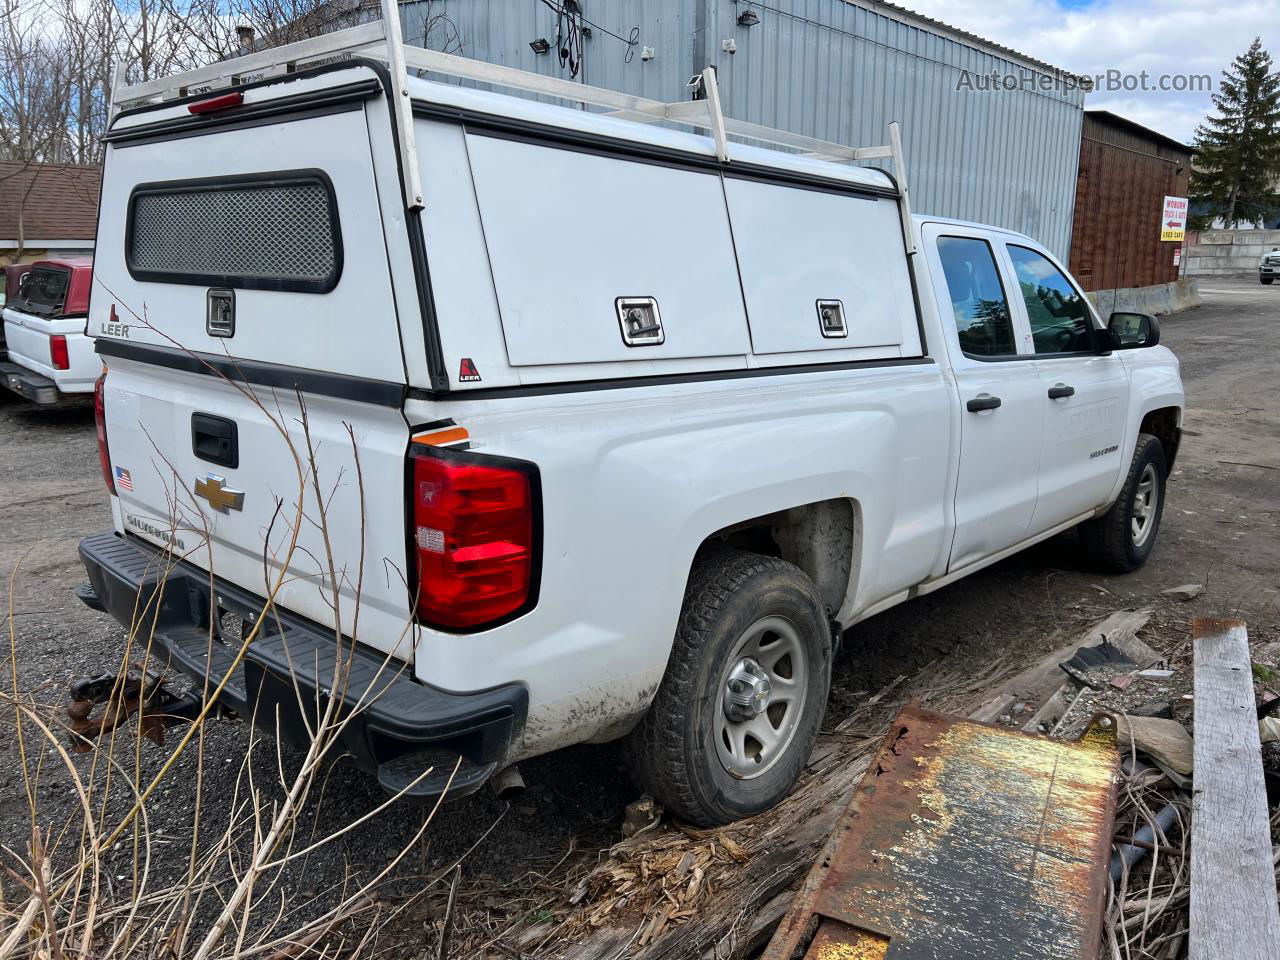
[(1269, 266), (618, 427), (50, 358)]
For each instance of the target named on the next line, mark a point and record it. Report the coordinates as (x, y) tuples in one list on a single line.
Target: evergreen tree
[(1237, 159)]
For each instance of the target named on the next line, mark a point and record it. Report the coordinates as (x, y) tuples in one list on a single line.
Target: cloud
[(1163, 37)]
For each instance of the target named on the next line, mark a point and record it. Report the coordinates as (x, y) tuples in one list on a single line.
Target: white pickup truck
[(617, 427), (1269, 266), (49, 357)]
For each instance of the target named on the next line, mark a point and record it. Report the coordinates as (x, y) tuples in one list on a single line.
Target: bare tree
[(57, 56), (90, 34)]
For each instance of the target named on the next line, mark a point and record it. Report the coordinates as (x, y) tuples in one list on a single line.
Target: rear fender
[(634, 483)]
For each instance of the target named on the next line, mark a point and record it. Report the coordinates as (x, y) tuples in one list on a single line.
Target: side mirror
[(1132, 330)]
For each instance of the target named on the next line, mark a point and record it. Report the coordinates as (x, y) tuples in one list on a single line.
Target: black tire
[(1265, 281), (1110, 539), (673, 751)]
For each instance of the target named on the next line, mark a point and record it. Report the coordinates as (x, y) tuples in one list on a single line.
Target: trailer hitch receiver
[(101, 704)]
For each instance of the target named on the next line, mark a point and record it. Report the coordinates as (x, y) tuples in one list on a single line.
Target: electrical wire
[(562, 11), (569, 36)]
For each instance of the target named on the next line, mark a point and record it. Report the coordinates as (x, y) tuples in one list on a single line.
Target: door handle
[(1060, 390), (215, 439), (978, 404)]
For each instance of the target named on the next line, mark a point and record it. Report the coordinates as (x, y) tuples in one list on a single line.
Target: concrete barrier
[(1224, 253), (1157, 300)]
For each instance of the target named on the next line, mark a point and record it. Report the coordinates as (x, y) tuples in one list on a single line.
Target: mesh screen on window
[(269, 231)]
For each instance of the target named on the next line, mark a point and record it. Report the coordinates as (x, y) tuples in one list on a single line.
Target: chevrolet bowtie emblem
[(220, 497)]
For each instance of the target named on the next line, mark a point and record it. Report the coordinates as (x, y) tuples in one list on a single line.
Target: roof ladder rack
[(381, 40)]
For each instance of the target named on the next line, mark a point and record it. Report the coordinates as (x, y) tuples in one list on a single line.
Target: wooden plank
[(1233, 883)]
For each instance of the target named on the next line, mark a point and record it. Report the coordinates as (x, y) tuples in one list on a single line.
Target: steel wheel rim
[(1146, 502), (769, 657)]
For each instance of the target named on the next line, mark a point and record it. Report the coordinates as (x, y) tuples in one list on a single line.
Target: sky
[(1091, 37)]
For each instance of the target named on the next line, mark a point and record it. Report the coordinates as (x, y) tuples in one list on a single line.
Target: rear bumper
[(398, 727), (26, 383)]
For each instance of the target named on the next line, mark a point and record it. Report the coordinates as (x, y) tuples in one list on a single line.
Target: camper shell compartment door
[(822, 270), (576, 239)]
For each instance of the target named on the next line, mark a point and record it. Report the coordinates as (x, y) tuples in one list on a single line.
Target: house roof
[(57, 201)]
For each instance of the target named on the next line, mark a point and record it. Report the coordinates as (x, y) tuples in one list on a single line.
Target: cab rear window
[(273, 231), (42, 292)]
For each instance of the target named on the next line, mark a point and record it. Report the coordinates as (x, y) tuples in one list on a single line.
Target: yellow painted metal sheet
[(965, 840)]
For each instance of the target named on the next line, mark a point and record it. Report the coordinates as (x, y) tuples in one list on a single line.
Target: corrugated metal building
[(832, 69), (1126, 171)]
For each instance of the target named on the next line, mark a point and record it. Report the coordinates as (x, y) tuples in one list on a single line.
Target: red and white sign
[(1173, 223)]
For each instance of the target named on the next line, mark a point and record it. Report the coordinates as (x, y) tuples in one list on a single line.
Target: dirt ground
[(1219, 530)]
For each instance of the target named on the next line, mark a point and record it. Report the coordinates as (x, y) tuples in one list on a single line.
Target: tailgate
[(29, 345), (244, 308)]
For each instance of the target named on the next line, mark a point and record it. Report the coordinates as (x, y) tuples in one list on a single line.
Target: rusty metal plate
[(964, 840)]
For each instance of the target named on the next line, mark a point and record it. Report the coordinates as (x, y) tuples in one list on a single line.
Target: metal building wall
[(826, 68), (1123, 180)]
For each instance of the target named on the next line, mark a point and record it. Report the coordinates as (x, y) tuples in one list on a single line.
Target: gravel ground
[(1219, 530)]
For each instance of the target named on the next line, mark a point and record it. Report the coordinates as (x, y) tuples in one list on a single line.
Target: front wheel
[(1265, 281), (738, 711), (1120, 540)]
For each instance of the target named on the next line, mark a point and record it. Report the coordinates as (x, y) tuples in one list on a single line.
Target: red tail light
[(58, 352), (100, 417), (474, 533)]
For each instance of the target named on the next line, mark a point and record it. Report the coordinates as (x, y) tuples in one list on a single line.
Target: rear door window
[(1056, 310), (979, 307)]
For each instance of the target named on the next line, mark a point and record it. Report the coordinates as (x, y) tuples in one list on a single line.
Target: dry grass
[(1146, 914), (84, 886)]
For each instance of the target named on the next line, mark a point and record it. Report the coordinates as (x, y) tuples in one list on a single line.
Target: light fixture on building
[(540, 45), (748, 18)]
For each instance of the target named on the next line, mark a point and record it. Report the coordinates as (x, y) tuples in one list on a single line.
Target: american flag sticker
[(123, 480)]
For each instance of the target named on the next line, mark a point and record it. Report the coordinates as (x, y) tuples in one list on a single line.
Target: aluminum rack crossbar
[(381, 40)]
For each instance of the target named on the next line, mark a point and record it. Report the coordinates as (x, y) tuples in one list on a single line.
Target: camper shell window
[(269, 231)]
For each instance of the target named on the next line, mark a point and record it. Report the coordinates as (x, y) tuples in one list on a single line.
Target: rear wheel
[(1121, 539), (737, 713)]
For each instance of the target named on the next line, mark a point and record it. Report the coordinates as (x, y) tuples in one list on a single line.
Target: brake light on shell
[(100, 418), (214, 104), (473, 533), (58, 352)]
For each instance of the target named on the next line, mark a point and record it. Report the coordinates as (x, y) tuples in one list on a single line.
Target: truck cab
[(384, 429)]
